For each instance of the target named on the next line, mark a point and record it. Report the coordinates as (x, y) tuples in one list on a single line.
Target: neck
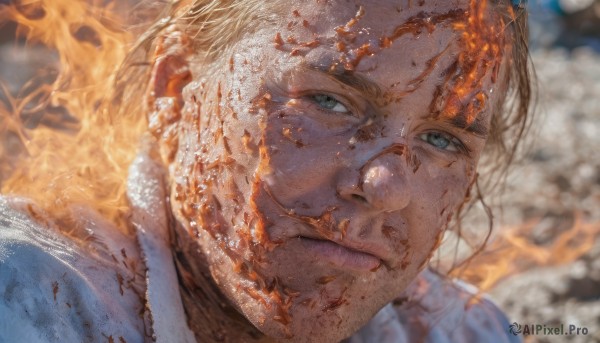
[(210, 315)]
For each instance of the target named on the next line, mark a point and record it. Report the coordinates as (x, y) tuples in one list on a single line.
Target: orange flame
[(90, 42), (514, 252)]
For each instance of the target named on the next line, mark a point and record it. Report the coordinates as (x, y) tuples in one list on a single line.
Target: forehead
[(374, 16), (377, 25), (380, 8), (456, 45)]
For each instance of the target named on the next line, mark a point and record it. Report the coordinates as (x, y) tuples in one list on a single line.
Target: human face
[(319, 164)]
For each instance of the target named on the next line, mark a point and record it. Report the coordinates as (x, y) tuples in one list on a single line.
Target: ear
[(170, 69), (170, 73)]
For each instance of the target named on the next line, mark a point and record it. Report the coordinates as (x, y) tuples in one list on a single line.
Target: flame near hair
[(85, 163), (101, 84)]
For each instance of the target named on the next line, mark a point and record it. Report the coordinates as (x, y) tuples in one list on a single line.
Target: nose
[(381, 184), (384, 184)]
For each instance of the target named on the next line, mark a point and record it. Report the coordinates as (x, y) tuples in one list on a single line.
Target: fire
[(514, 251), (85, 159), (90, 41)]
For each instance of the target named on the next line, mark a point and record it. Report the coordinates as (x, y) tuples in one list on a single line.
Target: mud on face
[(319, 165)]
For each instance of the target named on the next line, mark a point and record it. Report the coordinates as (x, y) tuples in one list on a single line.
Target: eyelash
[(314, 100), (453, 141)]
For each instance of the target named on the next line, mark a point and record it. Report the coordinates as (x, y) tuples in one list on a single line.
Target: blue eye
[(329, 103), (441, 141)]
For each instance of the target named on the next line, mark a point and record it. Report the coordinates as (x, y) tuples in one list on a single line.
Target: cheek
[(208, 174), (444, 181), (304, 158), (438, 195)]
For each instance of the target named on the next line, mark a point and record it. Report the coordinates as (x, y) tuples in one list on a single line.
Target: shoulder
[(453, 311), (51, 290), (437, 310)]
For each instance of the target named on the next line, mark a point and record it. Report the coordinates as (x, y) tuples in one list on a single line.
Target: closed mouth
[(340, 255)]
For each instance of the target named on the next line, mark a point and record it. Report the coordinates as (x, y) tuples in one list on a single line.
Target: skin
[(313, 174)]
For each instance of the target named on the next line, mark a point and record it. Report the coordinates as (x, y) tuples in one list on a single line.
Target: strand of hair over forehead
[(224, 17), (214, 24), (211, 24)]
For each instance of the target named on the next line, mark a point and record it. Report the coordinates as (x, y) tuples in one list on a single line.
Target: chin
[(322, 327), (314, 320)]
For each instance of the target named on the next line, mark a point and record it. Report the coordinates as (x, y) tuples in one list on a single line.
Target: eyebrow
[(349, 78), (477, 127)]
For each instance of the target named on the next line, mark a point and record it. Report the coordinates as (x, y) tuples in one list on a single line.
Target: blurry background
[(544, 265), (556, 188)]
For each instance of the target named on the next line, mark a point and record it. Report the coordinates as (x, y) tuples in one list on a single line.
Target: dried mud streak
[(336, 303), (415, 83), (414, 25), (460, 96), (202, 210), (326, 279), (267, 292), (423, 20), (325, 224), (54, 289)]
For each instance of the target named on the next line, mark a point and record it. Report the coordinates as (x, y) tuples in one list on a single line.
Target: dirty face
[(320, 161)]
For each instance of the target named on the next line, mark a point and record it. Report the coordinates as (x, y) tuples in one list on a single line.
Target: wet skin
[(317, 164)]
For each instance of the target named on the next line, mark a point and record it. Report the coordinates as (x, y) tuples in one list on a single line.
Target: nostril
[(359, 198)]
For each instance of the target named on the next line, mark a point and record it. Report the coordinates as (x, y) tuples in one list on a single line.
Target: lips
[(317, 236), (339, 255)]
